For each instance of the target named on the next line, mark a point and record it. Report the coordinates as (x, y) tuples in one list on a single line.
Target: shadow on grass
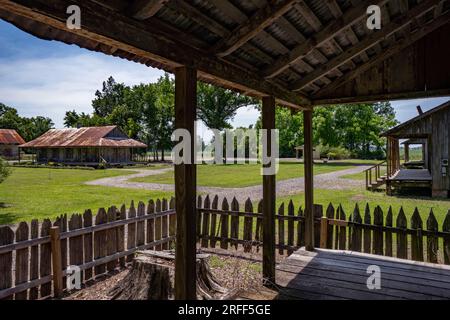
[(6, 218)]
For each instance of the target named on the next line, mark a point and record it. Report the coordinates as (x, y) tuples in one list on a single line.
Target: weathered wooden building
[(9, 144), (84, 146), (430, 129)]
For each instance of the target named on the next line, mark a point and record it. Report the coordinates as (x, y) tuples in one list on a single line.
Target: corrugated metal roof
[(10, 136), (83, 137)]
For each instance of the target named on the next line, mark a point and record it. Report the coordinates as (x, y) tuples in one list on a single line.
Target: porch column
[(185, 187), (269, 197), (406, 152), (309, 185)]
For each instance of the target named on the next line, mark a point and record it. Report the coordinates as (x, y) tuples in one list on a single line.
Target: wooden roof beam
[(144, 9), (309, 15), (263, 18), (372, 39), (351, 35), (349, 18), (144, 40), (398, 47)]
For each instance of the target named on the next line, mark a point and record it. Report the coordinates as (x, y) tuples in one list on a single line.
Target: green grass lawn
[(31, 193), (236, 175)]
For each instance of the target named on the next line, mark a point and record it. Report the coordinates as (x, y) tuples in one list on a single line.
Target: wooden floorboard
[(330, 274), (412, 175), (360, 269)]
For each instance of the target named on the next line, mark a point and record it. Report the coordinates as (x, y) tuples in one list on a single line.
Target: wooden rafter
[(234, 13), (351, 35), (212, 25), (373, 38), (351, 17), (258, 22), (144, 9), (142, 40), (309, 15), (398, 47)]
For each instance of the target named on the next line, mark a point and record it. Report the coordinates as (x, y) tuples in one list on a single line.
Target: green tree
[(28, 128), (112, 95), (218, 106)]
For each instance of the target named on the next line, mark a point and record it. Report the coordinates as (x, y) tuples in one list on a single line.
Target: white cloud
[(51, 86)]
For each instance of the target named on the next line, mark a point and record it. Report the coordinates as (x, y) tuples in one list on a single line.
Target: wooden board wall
[(422, 69)]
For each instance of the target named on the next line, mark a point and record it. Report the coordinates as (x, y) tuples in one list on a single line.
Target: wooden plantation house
[(84, 146), (292, 53), (9, 144), (430, 129)]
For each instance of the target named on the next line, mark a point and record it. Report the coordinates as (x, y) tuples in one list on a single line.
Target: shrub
[(333, 153), (4, 170)]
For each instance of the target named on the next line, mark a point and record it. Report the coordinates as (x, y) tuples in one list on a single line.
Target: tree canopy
[(218, 106), (356, 128), (28, 128)]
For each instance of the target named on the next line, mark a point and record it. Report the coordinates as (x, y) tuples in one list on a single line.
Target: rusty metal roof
[(10, 136), (84, 137)]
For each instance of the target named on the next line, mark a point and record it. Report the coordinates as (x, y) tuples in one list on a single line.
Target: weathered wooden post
[(269, 197), (185, 187), (323, 232), (55, 238), (309, 185)]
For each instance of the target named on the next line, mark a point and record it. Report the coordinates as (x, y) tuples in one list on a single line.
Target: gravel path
[(330, 181)]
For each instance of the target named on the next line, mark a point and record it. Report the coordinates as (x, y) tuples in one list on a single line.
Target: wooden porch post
[(406, 152), (269, 198), (185, 187), (309, 185)]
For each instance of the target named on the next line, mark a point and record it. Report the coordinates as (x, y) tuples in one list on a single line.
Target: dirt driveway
[(331, 181)]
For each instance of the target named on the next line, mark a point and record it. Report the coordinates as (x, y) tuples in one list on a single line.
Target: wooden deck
[(330, 274), (412, 175)]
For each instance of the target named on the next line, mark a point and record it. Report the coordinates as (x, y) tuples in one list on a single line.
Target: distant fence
[(97, 244), (30, 267)]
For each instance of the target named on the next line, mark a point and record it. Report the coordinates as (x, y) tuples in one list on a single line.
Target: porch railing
[(375, 175)]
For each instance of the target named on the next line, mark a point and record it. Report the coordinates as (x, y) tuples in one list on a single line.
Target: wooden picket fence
[(96, 244), (230, 225), (34, 257)]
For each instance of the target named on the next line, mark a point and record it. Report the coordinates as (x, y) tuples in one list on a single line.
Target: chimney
[(419, 110)]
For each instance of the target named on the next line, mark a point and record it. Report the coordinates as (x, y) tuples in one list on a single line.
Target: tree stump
[(152, 277)]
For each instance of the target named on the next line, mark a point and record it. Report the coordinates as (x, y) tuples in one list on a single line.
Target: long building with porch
[(84, 146)]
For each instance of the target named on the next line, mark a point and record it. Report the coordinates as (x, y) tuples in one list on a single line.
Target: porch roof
[(302, 53), (398, 129)]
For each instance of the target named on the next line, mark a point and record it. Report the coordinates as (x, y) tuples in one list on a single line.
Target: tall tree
[(112, 95), (218, 106)]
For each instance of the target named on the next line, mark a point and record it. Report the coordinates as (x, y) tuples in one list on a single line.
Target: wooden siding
[(9, 151), (84, 155), (418, 67), (435, 128)]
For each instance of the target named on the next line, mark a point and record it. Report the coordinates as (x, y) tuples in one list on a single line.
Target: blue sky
[(39, 77)]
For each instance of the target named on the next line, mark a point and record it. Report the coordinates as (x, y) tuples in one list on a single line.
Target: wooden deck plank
[(439, 269), (328, 287), (388, 272), (339, 274), (389, 287), (412, 175)]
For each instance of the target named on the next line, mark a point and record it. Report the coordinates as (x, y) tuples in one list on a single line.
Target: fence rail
[(96, 244)]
